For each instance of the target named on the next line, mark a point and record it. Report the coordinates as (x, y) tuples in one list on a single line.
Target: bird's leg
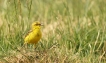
[(35, 46)]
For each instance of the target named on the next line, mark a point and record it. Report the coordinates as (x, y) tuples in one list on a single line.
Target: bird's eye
[(37, 24)]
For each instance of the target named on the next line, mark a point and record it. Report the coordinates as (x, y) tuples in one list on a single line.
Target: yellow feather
[(34, 35)]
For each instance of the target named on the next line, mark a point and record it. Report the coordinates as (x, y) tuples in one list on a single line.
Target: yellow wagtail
[(35, 34)]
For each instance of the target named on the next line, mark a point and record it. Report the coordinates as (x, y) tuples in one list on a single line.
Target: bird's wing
[(28, 33)]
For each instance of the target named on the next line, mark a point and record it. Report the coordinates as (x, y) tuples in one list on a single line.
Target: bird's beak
[(42, 24)]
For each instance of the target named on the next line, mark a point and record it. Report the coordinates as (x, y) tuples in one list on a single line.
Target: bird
[(35, 34)]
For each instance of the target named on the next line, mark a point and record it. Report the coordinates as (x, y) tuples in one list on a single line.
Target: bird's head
[(36, 25)]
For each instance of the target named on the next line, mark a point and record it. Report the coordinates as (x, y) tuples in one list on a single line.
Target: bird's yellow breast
[(33, 37)]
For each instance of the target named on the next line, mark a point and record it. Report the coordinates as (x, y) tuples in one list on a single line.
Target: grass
[(74, 31)]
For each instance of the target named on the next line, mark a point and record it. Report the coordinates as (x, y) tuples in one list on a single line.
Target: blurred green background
[(74, 31)]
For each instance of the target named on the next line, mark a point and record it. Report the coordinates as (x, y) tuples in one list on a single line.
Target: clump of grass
[(74, 31)]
